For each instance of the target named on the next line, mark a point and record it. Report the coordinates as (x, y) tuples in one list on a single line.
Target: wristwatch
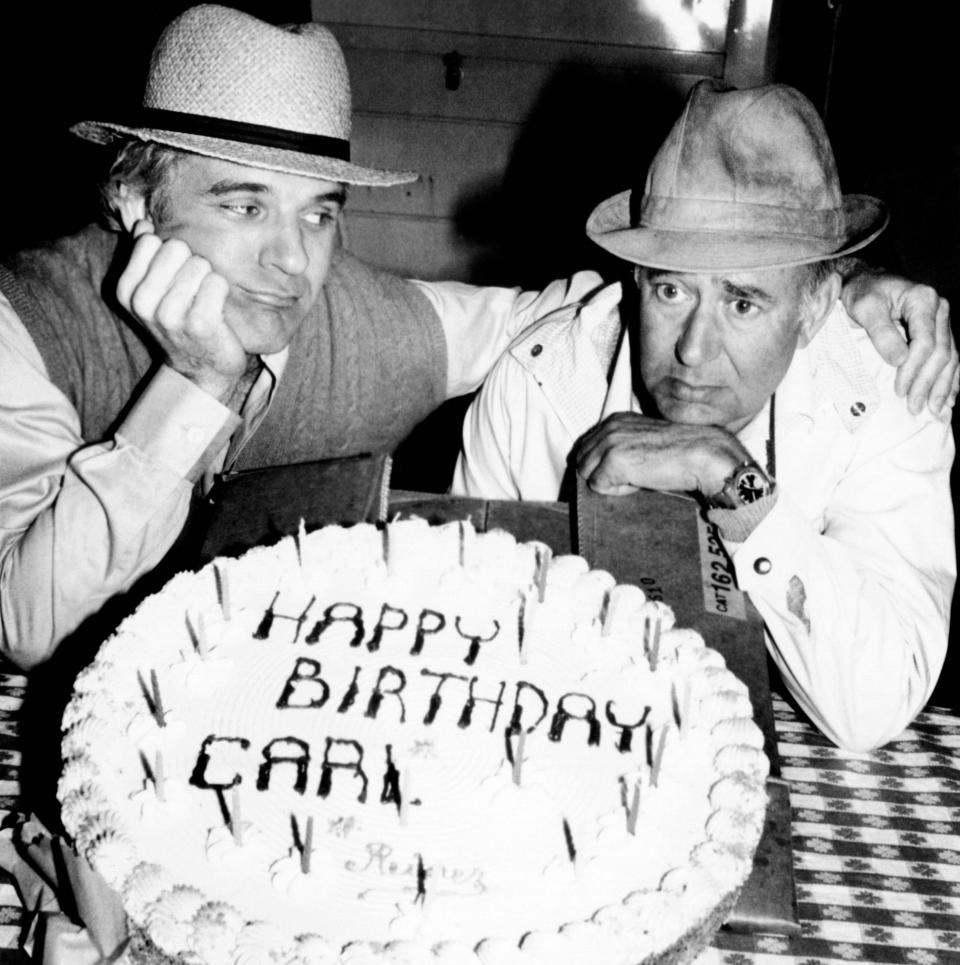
[(746, 484)]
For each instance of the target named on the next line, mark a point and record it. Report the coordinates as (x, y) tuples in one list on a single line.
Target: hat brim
[(253, 155), (711, 251)]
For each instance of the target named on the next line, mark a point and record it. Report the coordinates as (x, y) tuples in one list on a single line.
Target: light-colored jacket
[(860, 541)]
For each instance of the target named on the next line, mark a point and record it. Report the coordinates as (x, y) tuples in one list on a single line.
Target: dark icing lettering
[(199, 776), (350, 695), (285, 750), (435, 699), (390, 793), (376, 698), (266, 624), (626, 733), (517, 714), (339, 613), (428, 622), (473, 651), (562, 715), (466, 715), (304, 687), (400, 617), (328, 766)]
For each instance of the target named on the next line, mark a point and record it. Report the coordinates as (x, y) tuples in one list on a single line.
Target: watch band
[(746, 484)]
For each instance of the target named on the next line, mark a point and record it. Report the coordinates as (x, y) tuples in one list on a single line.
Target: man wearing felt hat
[(219, 325), (750, 388)]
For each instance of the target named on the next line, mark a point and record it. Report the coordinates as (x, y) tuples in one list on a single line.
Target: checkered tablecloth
[(11, 695), (876, 842)]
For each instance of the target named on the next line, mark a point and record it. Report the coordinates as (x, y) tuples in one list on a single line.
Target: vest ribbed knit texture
[(367, 364)]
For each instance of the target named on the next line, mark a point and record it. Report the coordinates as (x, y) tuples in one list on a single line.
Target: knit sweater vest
[(366, 365)]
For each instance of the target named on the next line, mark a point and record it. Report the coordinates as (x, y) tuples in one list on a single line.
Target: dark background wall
[(882, 74), (67, 62)]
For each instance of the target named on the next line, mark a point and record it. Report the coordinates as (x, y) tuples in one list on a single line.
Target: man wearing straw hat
[(750, 388), (221, 327), (217, 326)]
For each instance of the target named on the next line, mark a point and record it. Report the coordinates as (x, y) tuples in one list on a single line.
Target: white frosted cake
[(412, 744)]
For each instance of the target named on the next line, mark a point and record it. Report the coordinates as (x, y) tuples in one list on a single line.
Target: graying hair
[(144, 167), (817, 272)]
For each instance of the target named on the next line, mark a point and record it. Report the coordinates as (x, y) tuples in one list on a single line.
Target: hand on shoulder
[(909, 326)]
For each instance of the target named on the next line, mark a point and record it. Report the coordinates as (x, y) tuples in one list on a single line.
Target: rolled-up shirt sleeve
[(857, 603), (81, 520)]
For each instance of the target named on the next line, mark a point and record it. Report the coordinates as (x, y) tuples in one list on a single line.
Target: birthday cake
[(412, 743)]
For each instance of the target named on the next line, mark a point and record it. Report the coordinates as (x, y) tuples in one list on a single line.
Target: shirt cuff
[(178, 425), (737, 524)]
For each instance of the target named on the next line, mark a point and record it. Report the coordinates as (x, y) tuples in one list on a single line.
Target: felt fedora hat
[(746, 179), (224, 84)]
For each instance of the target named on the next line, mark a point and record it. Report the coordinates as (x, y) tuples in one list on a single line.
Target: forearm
[(857, 629), (114, 516), (80, 523)]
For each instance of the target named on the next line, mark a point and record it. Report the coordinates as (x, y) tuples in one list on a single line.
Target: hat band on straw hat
[(228, 130), (688, 214)]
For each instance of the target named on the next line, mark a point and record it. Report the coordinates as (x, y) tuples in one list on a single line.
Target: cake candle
[(299, 539), (158, 778), (658, 756), (606, 614), (421, 895), (223, 590), (634, 810), (158, 711), (681, 708), (387, 548), (543, 556), (524, 625), (651, 640), (307, 848), (518, 756), (198, 635), (236, 827)]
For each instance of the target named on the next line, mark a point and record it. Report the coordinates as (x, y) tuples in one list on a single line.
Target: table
[(875, 838), (876, 843)]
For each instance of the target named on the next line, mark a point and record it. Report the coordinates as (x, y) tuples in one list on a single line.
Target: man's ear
[(130, 206), (817, 305)]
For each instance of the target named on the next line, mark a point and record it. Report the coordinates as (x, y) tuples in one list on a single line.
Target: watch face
[(751, 484)]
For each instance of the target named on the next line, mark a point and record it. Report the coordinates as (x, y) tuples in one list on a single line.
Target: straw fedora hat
[(746, 179), (224, 84)]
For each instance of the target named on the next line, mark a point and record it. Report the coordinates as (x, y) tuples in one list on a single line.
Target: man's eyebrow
[(336, 196), (749, 292), (229, 187)]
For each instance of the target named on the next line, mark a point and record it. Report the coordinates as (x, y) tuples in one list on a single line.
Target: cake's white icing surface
[(605, 843)]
